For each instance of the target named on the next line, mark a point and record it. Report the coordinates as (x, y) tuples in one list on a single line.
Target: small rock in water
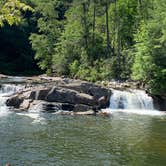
[(8, 164)]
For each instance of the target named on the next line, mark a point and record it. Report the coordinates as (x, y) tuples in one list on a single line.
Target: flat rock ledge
[(72, 96)]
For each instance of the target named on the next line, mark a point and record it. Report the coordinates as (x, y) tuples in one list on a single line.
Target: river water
[(129, 137)]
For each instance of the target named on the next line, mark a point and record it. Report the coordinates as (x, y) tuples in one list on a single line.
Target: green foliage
[(150, 58), (11, 11), (16, 55), (91, 40), (82, 47), (50, 27)]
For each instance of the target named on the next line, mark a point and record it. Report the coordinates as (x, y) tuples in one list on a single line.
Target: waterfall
[(133, 99), (5, 91), (9, 89)]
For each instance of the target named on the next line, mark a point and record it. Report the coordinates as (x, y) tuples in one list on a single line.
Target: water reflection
[(123, 139)]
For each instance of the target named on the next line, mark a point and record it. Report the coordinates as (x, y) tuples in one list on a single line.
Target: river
[(128, 137)]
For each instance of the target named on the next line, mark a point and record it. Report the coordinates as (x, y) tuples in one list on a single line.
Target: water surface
[(122, 139)]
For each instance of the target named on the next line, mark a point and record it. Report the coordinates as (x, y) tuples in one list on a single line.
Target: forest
[(87, 39)]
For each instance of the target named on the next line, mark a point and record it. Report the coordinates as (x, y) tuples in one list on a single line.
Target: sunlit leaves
[(11, 11)]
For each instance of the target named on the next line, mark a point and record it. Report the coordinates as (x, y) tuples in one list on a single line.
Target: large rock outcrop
[(67, 95)]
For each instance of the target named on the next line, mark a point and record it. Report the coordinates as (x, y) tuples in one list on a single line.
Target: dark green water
[(121, 140)]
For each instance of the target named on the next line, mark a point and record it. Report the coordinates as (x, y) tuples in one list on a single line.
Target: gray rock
[(50, 107), (69, 96), (53, 107), (159, 102), (39, 94), (25, 104), (14, 101), (96, 91), (82, 108), (88, 88)]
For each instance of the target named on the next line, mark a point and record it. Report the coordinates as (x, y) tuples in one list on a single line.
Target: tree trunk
[(118, 41), (85, 25), (94, 23), (107, 28)]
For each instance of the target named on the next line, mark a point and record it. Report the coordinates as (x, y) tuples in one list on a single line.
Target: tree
[(149, 65), (50, 26), (11, 11)]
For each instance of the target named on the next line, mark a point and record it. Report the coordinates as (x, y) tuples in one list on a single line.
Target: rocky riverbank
[(51, 94)]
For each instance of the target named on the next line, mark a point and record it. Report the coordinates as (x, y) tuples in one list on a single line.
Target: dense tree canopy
[(150, 49), (11, 11), (87, 39)]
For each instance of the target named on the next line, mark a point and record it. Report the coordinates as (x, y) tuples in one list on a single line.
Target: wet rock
[(54, 107), (3, 76), (61, 94), (25, 104), (76, 113), (159, 102), (50, 107), (82, 108), (103, 101), (14, 101), (39, 94), (90, 112)]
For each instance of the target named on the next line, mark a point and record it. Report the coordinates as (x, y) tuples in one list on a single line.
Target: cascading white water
[(5, 91), (133, 99), (8, 89)]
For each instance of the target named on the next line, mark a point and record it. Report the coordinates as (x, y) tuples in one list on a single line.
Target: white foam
[(5, 91), (135, 111), (132, 99), (36, 117)]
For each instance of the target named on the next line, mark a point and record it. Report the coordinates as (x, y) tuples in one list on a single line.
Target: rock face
[(68, 95), (159, 102)]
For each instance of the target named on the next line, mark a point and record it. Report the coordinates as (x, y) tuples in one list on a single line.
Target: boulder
[(14, 101), (39, 94), (69, 96), (94, 90), (88, 88)]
